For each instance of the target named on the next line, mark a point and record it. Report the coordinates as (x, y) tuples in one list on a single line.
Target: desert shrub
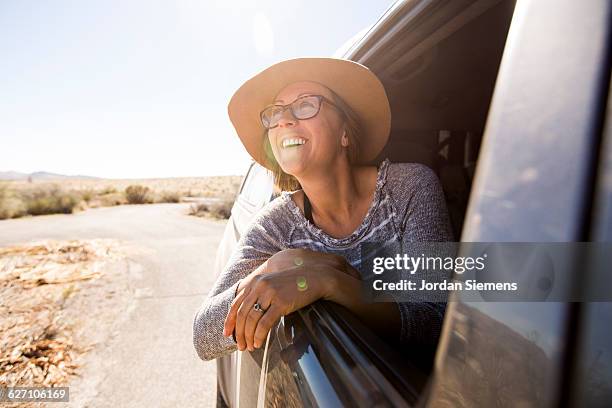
[(108, 200), (137, 194), (87, 195), (219, 210), (223, 209), (11, 204), (108, 190), (169, 197), (198, 210), (50, 201), (112, 199)]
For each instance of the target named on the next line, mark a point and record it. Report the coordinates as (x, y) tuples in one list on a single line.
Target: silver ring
[(258, 308)]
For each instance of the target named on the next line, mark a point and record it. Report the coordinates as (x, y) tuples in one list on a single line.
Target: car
[(508, 102)]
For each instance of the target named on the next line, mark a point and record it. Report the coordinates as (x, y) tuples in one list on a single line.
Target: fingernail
[(257, 345)]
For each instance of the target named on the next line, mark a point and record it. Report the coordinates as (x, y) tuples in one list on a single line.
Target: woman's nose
[(287, 119)]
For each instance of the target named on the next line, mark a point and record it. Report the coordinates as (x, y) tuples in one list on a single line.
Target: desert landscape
[(46, 193), (84, 262)]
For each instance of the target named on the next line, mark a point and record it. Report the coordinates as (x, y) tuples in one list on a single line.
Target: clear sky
[(133, 89)]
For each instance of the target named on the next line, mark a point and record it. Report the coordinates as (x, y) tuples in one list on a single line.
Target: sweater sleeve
[(422, 217), (257, 244)]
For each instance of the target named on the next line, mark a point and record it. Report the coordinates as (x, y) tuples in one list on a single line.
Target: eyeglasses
[(304, 107)]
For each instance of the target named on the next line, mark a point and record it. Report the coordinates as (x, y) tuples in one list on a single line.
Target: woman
[(314, 122)]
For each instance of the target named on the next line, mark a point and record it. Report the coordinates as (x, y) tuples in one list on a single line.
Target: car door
[(537, 154), (533, 183), (591, 373), (256, 191)]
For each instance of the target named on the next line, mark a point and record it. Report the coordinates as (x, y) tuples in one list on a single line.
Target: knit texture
[(408, 206)]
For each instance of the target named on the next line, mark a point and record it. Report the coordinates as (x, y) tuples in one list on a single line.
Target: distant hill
[(39, 175)]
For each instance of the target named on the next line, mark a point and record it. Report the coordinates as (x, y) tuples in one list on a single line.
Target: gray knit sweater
[(408, 205)]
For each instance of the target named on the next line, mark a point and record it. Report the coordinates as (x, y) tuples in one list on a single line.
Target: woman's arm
[(208, 338), (258, 243), (296, 278)]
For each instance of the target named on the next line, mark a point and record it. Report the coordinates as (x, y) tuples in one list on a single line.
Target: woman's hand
[(290, 280)]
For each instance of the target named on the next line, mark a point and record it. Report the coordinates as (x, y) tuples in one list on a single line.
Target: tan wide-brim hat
[(353, 82)]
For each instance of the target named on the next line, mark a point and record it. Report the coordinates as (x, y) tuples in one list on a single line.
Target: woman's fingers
[(252, 319), (230, 319), (287, 290), (241, 317), (265, 324)]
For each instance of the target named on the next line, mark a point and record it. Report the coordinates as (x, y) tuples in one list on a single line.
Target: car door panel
[(323, 356), (533, 183)]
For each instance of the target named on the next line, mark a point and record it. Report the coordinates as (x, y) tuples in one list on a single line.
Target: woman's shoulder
[(270, 225), (418, 198), (410, 176), (276, 211)]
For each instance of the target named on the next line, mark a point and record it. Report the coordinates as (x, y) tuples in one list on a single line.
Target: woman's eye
[(276, 113), (306, 105)]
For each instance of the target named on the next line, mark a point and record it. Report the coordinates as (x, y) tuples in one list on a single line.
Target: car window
[(257, 189), (438, 120), (531, 188)]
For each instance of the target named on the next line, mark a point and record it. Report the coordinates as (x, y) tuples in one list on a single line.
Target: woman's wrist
[(241, 284), (341, 288), (247, 279)]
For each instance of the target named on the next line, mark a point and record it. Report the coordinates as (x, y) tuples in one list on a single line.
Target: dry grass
[(11, 204), (21, 198), (48, 200), (36, 338)]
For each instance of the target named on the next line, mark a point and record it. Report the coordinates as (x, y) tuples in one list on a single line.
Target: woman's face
[(322, 135)]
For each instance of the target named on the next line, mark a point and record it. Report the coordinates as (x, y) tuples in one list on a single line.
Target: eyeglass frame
[(289, 106)]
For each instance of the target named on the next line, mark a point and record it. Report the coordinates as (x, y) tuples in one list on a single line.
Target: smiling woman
[(322, 121)]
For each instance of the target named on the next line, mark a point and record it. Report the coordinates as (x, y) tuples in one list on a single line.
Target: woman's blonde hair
[(352, 126)]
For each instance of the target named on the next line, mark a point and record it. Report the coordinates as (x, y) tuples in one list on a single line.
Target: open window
[(438, 61)]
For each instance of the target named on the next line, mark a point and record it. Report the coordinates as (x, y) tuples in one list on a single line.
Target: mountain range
[(39, 175)]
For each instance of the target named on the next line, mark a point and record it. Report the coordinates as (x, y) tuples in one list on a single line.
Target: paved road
[(150, 362)]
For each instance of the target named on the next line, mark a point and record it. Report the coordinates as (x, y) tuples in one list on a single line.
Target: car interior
[(439, 75)]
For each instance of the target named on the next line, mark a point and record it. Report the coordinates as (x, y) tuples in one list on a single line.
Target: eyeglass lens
[(304, 107)]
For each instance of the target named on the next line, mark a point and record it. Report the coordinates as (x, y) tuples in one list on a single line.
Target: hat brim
[(353, 82)]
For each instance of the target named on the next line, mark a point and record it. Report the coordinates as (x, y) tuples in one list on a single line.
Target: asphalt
[(150, 360)]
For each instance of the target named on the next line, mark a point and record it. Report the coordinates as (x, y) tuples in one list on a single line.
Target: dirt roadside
[(143, 354), (60, 301)]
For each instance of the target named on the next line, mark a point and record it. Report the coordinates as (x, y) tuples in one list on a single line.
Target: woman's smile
[(293, 142)]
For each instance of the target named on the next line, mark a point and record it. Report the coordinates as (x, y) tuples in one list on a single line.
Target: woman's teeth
[(293, 142)]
